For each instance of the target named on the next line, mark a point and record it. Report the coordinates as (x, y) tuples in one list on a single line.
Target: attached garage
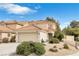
[(28, 36), (31, 33)]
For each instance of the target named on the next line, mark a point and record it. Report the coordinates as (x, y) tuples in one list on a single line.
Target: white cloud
[(37, 7), (16, 9)]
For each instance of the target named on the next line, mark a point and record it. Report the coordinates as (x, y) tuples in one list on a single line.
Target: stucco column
[(38, 36), (17, 39)]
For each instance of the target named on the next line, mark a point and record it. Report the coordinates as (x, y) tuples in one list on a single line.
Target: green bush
[(29, 49), (13, 39), (66, 46), (26, 48), (23, 47), (5, 40), (59, 35), (39, 49), (54, 40)]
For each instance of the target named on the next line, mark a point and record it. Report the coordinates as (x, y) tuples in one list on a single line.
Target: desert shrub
[(66, 46), (60, 48), (26, 48), (13, 39), (53, 50), (39, 49), (54, 40), (5, 40), (54, 47)]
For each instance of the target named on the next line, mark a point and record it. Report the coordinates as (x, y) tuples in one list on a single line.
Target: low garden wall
[(69, 39)]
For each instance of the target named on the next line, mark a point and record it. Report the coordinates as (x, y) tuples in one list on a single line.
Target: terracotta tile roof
[(13, 22), (22, 22), (32, 27), (3, 28), (10, 22), (29, 27), (38, 22)]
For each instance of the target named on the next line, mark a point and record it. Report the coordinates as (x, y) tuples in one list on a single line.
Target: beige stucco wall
[(69, 39), (54, 26), (43, 35), (45, 26), (4, 35), (26, 24), (0, 37), (28, 36)]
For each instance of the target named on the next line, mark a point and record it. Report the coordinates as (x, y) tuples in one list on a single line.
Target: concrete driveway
[(7, 49)]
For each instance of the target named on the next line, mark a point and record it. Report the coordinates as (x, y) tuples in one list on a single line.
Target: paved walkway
[(7, 49)]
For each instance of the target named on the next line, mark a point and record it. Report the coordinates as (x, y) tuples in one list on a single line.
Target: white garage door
[(28, 37)]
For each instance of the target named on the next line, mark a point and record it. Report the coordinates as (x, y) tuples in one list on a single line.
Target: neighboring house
[(6, 29), (13, 24), (5, 32), (28, 31)]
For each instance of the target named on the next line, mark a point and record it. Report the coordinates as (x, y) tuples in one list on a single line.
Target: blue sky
[(62, 12)]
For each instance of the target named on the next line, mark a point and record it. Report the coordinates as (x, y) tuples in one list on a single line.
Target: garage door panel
[(28, 37)]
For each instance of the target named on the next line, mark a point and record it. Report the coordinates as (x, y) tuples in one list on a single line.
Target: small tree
[(74, 24), (59, 35), (50, 19)]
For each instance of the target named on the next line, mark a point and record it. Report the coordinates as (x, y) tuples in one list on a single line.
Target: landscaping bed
[(61, 51)]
